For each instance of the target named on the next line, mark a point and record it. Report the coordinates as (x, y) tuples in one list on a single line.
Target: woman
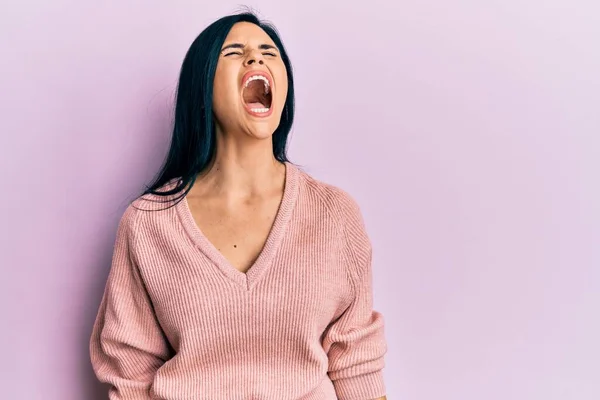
[(236, 275)]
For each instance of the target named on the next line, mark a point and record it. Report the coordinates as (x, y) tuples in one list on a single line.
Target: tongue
[(256, 105)]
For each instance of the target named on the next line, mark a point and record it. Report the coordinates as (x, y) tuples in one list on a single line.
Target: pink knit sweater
[(177, 321)]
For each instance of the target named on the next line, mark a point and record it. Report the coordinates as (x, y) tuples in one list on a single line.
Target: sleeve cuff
[(363, 387)]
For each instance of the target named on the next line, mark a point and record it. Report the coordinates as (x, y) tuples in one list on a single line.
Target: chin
[(262, 128), (261, 132)]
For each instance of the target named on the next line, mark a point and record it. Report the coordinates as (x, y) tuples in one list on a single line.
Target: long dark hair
[(193, 140)]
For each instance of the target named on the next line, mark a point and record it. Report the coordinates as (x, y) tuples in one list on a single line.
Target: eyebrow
[(241, 46)]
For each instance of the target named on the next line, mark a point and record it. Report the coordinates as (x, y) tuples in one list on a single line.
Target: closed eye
[(239, 54)]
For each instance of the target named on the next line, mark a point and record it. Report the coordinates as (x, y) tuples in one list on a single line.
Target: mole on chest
[(240, 240)]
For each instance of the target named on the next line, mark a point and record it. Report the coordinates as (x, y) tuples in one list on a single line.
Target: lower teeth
[(259, 110)]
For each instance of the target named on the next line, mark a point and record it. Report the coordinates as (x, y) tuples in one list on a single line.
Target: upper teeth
[(261, 77)]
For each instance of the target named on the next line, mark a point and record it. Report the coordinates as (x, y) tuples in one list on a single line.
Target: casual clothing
[(178, 321)]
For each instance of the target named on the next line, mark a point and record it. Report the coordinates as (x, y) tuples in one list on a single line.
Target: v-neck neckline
[(264, 260)]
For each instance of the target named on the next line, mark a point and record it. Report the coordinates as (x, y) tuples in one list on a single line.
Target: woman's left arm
[(355, 342)]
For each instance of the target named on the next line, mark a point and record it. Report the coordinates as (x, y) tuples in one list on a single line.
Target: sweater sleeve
[(355, 341), (127, 345)]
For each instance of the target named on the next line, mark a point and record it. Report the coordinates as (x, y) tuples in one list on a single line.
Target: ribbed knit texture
[(177, 321)]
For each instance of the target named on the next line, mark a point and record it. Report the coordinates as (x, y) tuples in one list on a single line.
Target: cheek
[(283, 87), (224, 89)]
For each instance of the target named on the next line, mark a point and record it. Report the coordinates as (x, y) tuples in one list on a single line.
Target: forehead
[(247, 32)]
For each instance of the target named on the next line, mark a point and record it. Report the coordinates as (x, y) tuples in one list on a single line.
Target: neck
[(242, 168)]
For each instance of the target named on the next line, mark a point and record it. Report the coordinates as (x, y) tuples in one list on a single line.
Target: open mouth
[(256, 94)]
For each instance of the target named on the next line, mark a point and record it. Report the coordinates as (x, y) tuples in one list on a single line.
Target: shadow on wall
[(92, 388), (143, 151), (140, 157)]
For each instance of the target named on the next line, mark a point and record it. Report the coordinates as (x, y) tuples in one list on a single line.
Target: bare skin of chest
[(238, 231)]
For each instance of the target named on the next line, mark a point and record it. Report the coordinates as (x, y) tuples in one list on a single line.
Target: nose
[(254, 58)]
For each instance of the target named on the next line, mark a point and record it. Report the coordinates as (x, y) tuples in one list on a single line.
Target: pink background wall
[(467, 130)]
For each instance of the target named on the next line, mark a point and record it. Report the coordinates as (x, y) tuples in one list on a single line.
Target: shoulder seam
[(132, 223)]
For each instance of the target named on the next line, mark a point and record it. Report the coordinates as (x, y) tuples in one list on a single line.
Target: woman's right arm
[(127, 345)]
